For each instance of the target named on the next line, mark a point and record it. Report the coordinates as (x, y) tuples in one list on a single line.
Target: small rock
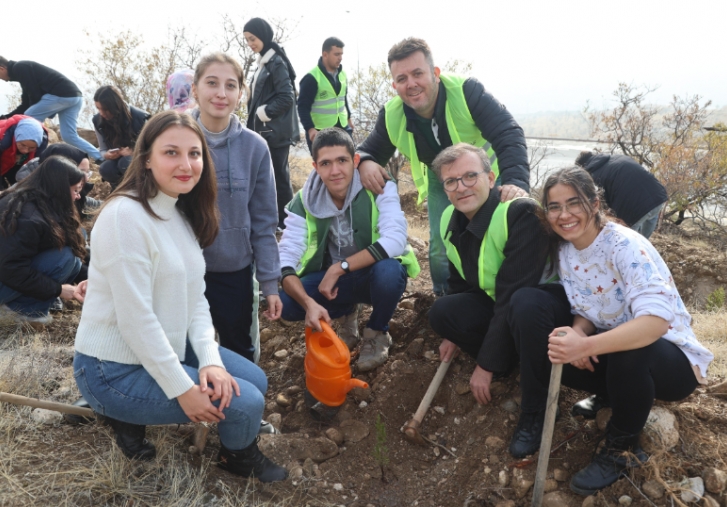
[(692, 489), (503, 479), (309, 466), (429, 354), (335, 435), (550, 485), (660, 432), (407, 304), (555, 499), (44, 416), (344, 415), (397, 364), (282, 400), (487, 470), (415, 347), (602, 418), (457, 420), (509, 405), (715, 480), (296, 472), (522, 486), (265, 334), (360, 394), (354, 430), (363, 404), (653, 489), (271, 406), (497, 388), (296, 362), (461, 388), (560, 475), (439, 410), (505, 503), (494, 442), (293, 390), (276, 420), (281, 354), (589, 501), (625, 500), (436, 451), (338, 486)]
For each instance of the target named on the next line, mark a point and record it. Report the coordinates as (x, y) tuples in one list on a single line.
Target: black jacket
[(494, 121), (307, 95), (629, 190), (525, 255), (36, 80), (274, 90), (32, 236), (138, 119)]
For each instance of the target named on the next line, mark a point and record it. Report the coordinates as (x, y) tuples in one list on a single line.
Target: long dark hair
[(49, 189), (199, 206), (589, 194), (118, 130)]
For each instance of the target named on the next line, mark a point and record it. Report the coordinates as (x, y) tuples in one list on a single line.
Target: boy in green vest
[(494, 248), (343, 246), (323, 101)]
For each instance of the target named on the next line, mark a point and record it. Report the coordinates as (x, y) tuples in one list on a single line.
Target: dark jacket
[(629, 190), (138, 119), (524, 264), (32, 236), (494, 121), (274, 90), (36, 80), (307, 95)]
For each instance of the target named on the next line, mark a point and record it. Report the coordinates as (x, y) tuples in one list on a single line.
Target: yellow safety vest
[(328, 108)]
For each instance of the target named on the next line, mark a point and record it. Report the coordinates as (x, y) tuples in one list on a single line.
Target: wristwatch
[(345, 266)]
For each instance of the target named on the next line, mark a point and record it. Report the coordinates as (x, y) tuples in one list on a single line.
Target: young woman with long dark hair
[(145, 346), (41, 243), (117, 126)]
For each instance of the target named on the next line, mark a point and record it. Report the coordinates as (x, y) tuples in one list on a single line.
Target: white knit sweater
[(146, 293)]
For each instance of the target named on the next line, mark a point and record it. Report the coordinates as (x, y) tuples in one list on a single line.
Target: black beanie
[(260, 29)]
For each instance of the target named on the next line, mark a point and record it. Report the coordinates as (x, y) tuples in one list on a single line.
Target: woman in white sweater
[(145, 346)]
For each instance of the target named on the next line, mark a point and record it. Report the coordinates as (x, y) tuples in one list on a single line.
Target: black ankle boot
[(620, 452), (250, 462), (526, 439), (589, 407), (131, 440)]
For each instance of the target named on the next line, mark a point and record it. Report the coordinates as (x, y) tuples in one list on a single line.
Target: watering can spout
[(354, 382)]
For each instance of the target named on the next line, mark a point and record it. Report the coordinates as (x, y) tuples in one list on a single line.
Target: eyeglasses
[(468, 180), (573, 207)]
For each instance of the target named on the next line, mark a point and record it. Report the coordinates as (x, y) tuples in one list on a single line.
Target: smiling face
[(575, 224), (217, 92), (416, 83), (468, 200), (335, 167), (26, 146), (176, 160), (253, 42)]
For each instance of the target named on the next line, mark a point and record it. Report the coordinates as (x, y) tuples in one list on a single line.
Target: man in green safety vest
[(497, 252), (322, 102), (432, 111), (344, 246)]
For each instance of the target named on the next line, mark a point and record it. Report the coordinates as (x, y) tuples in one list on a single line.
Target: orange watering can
[(327, 367)]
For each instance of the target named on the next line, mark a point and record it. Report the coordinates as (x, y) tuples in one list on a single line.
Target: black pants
[(630, 379), (282, 180), (230, 298)]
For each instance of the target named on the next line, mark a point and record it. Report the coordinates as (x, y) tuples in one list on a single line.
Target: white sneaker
[(267, 429), (374, 349), (348, 328)]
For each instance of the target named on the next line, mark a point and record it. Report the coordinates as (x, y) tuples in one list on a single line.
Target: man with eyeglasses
[(432, 111), (494, 248)]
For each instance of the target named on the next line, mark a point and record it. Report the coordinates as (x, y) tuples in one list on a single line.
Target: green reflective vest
[(365, 233), (460, 124), (491, 249), (328, 108)]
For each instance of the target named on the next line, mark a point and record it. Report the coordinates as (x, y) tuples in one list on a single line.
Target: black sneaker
[(526, 439), (589, 407), (250, 462), (131, 440)]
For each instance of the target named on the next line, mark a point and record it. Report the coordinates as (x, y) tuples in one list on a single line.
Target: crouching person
[(344, 246)]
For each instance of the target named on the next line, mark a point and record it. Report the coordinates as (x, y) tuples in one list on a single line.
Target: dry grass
[(711, 330)]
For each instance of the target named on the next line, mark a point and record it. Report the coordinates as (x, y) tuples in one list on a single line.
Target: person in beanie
[(21, 139), (271, 105)]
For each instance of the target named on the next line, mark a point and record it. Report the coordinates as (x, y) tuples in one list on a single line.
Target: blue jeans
[(67, 109), (60, 265), (380, 285), (128, 393), (437, 202), (646, 224)]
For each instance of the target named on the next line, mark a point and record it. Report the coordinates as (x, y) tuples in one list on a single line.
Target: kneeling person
[(343, 246)]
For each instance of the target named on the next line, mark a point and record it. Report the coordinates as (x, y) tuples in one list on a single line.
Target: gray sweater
[(248, 206)]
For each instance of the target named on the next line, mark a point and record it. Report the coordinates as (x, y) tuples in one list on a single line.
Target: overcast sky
[(536, 55)]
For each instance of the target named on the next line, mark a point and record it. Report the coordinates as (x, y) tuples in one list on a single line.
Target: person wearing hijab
[(271, 106), (21, 139), (179, 90)]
